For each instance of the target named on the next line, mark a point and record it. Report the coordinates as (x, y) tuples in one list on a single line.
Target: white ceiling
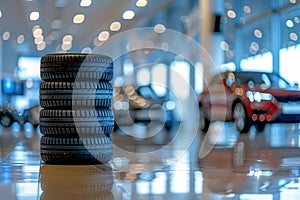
[(98, 17)]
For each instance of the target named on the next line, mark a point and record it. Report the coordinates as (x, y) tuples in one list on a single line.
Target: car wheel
[(6, 121), (204, 122), (241, 119)]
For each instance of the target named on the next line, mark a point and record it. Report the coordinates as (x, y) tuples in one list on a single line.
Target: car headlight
[(258, 96)]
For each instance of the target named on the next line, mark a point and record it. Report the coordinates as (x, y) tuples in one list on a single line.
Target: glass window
[(128, 67), (180, 78), (198, 78), (159, 79), (143, 76), (289, 64), (228, 66), (259, 63), (29, 68)]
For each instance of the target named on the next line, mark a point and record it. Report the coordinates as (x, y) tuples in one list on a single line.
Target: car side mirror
[(296, 85)]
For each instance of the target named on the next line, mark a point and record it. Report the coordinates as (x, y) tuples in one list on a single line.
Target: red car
[(249, 98)]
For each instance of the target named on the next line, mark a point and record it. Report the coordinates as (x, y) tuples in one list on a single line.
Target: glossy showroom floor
[(155, 164)]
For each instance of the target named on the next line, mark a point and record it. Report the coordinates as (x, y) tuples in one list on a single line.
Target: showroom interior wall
[(261, 35), (249, 30)]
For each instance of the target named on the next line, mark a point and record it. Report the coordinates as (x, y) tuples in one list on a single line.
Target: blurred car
[(249, 98), (8, 116), (142, 105), (31, 115)]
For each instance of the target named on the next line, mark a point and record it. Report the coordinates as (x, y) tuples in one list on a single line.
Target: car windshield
[(255, 78)]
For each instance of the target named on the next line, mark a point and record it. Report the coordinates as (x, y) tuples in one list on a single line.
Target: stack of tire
[(76, 120)]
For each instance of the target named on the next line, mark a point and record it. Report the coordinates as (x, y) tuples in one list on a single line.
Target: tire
[(77, 101), (104, 115), (84, 150), (68, 67), (203, 121), (75, 87), (76, 122), (80, 129), (242, 121), (6, 120)]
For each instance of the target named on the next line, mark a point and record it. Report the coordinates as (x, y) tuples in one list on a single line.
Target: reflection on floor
[(150, 163)]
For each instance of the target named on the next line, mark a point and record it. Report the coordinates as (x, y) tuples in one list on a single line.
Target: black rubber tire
[(72, 66), (6, 120), (76, 101), (70, 129), (75, 87), (242, 121), (64, 95), (76, 115), (204, 123), (71, 76), (76, 122), (84, 150)]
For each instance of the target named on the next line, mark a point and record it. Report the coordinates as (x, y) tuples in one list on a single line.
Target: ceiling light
[(141, 3), (66, 47), (115, 26), (6, 35), (224, 46), (41, 46), (35, 27), (254, 46), (39, 39), (67, 38), (103, 36), (247, 9), (34, 16), (128, 14), (78, 19), (85, 3), (294, 36), (20, 39), (258, 33), (0, 13), (231, 14), (37, 32), (159, 28), (289, 23)]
